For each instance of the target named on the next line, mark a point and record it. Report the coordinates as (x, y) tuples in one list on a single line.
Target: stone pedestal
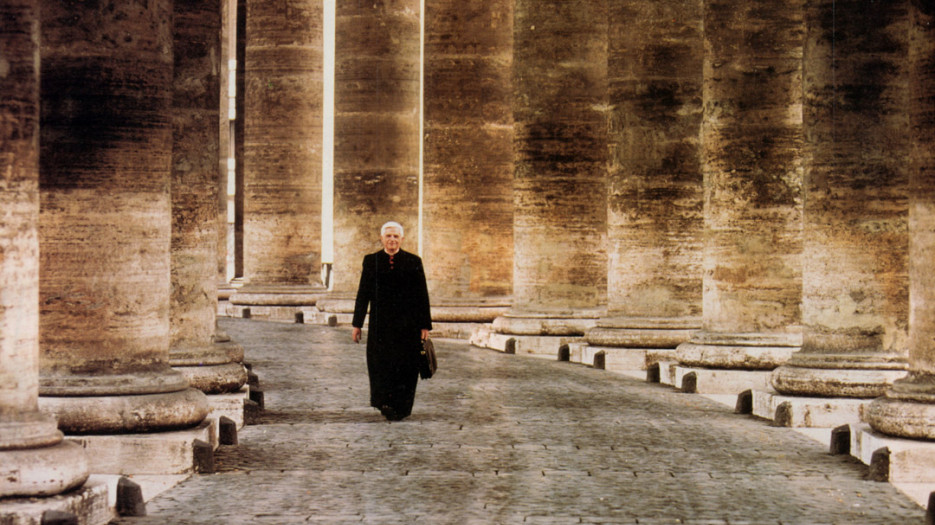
[(855, 304), (752, 139), (282, 152), (468, 196), (376, 131), (33, 459), (908, 407), (105, 222)]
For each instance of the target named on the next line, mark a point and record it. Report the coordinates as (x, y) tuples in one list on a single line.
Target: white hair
[(391, 224)]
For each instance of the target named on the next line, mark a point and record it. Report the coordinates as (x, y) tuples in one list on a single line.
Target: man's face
[(391, 240)]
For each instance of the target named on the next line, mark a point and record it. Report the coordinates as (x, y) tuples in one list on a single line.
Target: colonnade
[(719, 181)]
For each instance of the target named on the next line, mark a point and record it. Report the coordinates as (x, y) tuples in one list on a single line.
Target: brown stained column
[(34, 459), (376, 131), (468, 181), (855, 304), (193, 302), (655, 202), (560, 179), (282, 153), (752, 139), (908, 408), (105, 221)]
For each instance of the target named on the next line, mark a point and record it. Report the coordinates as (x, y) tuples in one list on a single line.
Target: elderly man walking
[(392, 283)]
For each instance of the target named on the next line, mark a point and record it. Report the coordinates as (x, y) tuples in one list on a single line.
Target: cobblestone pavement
[(504, 439)]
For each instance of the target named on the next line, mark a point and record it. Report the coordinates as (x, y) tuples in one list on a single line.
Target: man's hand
[(425, 334), (355, 335)]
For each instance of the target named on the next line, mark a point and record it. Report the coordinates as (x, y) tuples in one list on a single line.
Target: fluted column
[(752, 140), (468, 195), (908, 408), (376, 133), (209, 367), (282, 154), (855, 303), (105, 221), (560, 179), (655, 205), (35, 460)]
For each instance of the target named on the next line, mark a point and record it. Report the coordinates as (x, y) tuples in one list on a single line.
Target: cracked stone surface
[(498, 438)]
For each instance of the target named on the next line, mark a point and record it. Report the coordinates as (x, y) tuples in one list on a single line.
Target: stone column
[(209, 367), (282, 154), (655, 199), (908, 408), (560, 116), (34, 459), (105, 221), (376, 135), (468, 188), (752, 140), (855, 303)]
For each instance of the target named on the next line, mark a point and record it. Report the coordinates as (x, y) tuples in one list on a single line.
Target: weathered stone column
[(468, 181), (105, 221), (752, 140), (34, 459), (210, 367), (560, 116), (855, 284), (908, 408), (376, 135), (655, 199), (282, 154)]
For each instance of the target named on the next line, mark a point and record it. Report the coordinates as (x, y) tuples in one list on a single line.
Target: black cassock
[(395, 289)]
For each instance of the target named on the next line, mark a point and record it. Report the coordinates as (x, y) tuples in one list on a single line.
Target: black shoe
[(389, 412)]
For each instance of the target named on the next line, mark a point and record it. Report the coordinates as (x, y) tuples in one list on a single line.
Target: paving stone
[(509, 439)]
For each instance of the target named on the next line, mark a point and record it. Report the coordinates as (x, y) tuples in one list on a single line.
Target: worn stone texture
[(560, 111), (908, 407), (855, 302), (282, 143), (506, 439), (376, 130), (655, 201), (104, 182), (752, 138), (468, 141), (195, 175)]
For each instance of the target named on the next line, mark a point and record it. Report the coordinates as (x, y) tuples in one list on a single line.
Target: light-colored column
[(210, 367), (34, 459), (655, 198), (105, 222), (908, 408), (752, 140), (282, 154), (560, 116), (468, 180), (376, 135), (855, 303)]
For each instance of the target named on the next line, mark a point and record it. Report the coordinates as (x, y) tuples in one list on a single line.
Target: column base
[(907, 410), (629, 361), (44, 471), (127, 413), (807, 412), (643, 332), (154, 453), (906, 463), (748, 351), (215, 379), (834, 382), (278, 295), (89, 502), (712, 381), (547, 323)]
